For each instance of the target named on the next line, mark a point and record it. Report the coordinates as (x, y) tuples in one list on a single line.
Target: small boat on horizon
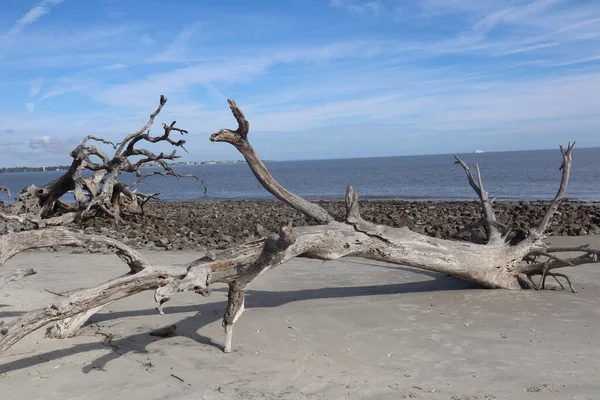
[(478, 151)]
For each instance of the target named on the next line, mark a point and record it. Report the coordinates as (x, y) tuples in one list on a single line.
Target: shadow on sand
[(212, 312)]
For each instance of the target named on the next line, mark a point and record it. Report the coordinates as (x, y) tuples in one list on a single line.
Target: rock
[(163, 242), (261, 230), (192, 225), (594, 229)]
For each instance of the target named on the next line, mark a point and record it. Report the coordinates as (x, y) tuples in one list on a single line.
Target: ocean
[(507, 176)]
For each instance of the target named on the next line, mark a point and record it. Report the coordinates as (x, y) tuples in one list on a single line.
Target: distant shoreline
[(383, 199), (53, 168), (64, 168)]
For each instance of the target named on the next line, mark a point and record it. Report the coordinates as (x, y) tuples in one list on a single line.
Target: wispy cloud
[(33, 15), (515, 14), (53, 144), (437, 68), (113, 67), (178, 50), (35, 86), (229, 70), (358, 7), (578, 61)]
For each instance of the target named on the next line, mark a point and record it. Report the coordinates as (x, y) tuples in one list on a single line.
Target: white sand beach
[(352, 328)]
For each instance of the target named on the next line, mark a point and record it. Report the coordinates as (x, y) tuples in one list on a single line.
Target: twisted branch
[(239, 139), (101, 193)]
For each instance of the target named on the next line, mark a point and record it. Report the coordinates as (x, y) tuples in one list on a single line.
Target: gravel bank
[(197, 225)]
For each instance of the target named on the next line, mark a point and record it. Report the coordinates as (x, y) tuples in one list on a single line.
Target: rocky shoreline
[(200, 225)]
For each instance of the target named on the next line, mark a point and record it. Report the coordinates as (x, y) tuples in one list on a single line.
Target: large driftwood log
[(102, 192), (507, 259), (17, 242)]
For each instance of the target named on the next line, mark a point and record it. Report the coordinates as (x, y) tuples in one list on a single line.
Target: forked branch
[(489, 216), (567, 161), (102, 192), (125, 142)]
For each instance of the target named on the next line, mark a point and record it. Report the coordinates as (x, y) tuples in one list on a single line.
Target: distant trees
[(33, 169)]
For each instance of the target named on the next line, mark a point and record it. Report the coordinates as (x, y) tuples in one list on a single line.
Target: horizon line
[(340, 158)]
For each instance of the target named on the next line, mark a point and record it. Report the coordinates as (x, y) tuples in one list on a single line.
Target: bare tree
[(101, 192), (504, 261)]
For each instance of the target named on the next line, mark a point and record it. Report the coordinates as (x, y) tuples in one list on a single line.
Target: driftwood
[(506, 260), (15, 276), (102, 192), (5, 190)]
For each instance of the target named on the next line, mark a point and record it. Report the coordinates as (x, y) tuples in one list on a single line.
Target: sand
[(353, 328)]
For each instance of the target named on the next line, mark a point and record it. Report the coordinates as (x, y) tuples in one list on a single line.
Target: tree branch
[(490, 222), (6, 190), (14, 243), (91, 137), (163, 101), (566, 171), (166, 173), (239, 139), (497, 264)]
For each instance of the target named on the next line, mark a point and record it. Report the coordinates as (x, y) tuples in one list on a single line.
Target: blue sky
[(316, 79)]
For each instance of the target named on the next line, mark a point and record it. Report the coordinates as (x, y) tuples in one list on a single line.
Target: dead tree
[(101, 192), (504, 261)]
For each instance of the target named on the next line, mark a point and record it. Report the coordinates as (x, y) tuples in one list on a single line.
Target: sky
[(315, 78)]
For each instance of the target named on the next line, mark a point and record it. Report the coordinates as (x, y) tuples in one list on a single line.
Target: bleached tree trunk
[(505, 261), (70, 327)]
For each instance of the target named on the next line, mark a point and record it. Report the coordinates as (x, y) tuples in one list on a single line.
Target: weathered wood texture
[(102, 192), (506, 260)]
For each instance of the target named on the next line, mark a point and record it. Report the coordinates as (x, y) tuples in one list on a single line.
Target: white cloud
[(53, 144), (358, 7), (35, 86), (515, 51), (143, 93), (178, 50), (33, 15), (29, 107), (579, 61), (514, 14), (114, 67), (504, 28), (229, 70)]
